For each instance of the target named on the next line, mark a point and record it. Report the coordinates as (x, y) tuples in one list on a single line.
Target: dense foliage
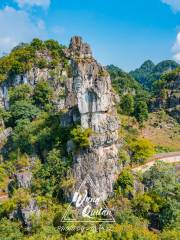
[(149, 72), (133, 98), (26, 56)]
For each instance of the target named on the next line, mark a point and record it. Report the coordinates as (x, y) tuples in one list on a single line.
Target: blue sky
[(121, 32)]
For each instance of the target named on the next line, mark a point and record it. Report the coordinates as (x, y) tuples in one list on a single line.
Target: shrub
[(143, 204), (17, 68), (124, 157), (20, 92), (170, 235), (9, 230), (37, 44), (43, 93), (23, 110), (42, 63), (80, 137), (141, 150), (125, 182)]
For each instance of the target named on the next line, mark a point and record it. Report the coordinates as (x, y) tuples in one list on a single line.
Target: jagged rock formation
[(91, 101)]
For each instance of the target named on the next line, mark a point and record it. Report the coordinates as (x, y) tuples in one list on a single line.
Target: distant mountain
[(122, 81), (149, 72)]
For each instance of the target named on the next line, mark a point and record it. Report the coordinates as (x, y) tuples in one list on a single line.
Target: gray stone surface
[(23, 179), (90, 94)]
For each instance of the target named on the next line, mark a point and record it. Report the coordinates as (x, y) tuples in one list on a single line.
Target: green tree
[(17, 68), (161, 183), (47, 178), (80, 137), (23, 137), (37, 44), (20, 92), (9, 230), (23, 110), (127, 104), (143, 204), (161, 179), (141, 112), (4, 115), (43, 94), (125, 182), (52, 44), (141, 150)]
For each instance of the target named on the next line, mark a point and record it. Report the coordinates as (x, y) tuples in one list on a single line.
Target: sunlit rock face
[(55, 78), (89, 91)]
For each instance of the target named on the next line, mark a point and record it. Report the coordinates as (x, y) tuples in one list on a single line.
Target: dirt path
[(173, 157)]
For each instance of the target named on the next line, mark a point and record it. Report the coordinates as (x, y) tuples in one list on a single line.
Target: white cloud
[(32, 3), (176, 48), (177, 57), (58, 30), (16, 26), (41, 24), (175, 4)]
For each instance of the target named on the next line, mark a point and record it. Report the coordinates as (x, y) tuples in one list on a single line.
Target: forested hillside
[(149, 72)]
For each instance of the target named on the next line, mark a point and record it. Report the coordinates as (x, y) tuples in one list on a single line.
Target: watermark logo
[(89, 209)]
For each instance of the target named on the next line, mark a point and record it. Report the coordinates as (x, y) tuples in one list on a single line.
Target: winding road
[(173, 157)]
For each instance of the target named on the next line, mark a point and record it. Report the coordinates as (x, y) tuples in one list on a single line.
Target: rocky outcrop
[(24, 214), (170, 99), (23, 179), (91, 101), (55, 77), (5, 134)]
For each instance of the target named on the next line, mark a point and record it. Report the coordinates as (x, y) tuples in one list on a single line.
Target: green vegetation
[(80, 137), (133, 98), (125, 183), (20, 92), (141, 150), (10, 230), (43, 94), (148, 72), (127, 104), (161, 86), (25, 56), (39, 144), (141, 112), (162, 187), (123, 82)]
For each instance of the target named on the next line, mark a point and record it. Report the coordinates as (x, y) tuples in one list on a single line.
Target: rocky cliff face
[(55, 77), (171, 97), (91, 101)]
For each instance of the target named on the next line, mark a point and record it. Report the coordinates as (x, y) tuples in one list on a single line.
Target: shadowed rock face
[(90, 92)]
